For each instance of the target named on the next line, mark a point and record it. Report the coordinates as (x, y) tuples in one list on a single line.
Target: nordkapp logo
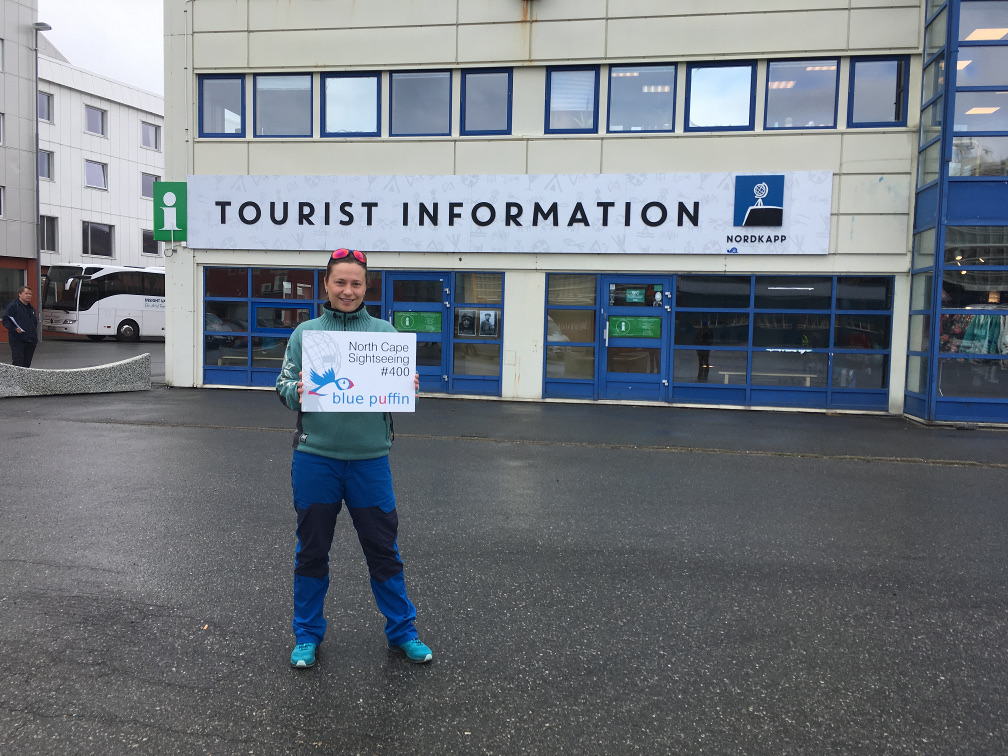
[(327, 356), (759, 201)]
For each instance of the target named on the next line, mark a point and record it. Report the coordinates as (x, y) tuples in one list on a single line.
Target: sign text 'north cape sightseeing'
[(690, 213)]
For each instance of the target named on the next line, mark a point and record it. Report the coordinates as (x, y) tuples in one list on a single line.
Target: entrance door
[(634, 350), (419, 303)]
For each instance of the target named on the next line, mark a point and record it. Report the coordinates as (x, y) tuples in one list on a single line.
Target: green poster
[(635, 295), (417, 322), (170, 211), (629, 327)]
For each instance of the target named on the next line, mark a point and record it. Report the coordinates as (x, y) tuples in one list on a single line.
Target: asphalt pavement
[(593, 579)]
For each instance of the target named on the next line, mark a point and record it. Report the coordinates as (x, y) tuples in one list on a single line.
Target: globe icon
[(760, 191)]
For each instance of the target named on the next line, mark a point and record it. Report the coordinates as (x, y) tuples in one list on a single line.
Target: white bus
[(104, 300)]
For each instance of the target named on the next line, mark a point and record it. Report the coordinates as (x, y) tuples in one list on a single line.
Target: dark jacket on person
[(18, 315)]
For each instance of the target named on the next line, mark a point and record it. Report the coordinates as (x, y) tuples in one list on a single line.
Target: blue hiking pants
[(321, 485)]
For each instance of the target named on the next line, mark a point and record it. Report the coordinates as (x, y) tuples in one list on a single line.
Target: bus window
[(154, 284)]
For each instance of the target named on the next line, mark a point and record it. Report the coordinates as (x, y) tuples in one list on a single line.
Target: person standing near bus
[(21, 322), (343, 457)]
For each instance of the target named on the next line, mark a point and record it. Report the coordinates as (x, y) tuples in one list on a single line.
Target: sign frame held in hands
[(349, 371)]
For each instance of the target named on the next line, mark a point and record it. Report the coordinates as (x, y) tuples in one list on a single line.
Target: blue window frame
[(351, 104), (878, 92), (486, 101), (222, 106), (571, 335), (572, 100), (721, 96), (642, 98), (802, 94), (421, 103), (283, 105)]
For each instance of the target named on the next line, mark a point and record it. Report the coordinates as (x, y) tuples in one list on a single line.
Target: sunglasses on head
[(339, 254)]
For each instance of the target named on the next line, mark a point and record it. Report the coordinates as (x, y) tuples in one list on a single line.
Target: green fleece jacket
[(339, 435)]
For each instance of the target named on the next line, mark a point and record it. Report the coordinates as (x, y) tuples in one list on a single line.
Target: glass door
[(419, 303), (634, 352)]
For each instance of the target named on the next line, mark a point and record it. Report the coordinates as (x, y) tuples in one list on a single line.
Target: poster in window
[(488, 323), (466, 325)]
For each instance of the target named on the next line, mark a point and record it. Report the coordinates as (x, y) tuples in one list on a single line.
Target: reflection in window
[(979, 156), (973, 378), (486, 102), (479, 288), (975, 288), (931, 121), (572, 97), (476, 359), (148, 245), (983, 21), (976, 245), (351, 104), (97, 239), (642, 98), (222, 101), (878, 92), (867, 293), (720, 97), (45, 164), (934, 79), (421, 103), (147, 184), (981, 111), (982, 66), (571, 289), (45, 110), (283, 283), (793, 293), (790, 369), (934, 35), (226, 282), (283, 105), (150, 136), (713, 291), (95, 175), (94, 120), (929, 164), (801, 94)]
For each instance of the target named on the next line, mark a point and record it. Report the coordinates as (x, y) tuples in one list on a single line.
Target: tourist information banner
[(344, 371)]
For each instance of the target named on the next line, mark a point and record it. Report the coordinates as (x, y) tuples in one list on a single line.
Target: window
[(45, 109), (46, 161), (802, 94), (351, 104), (47, 233), (421, 103), (1, 128), (283, 106), (572, 100), (721, 97), (95, 175), (570, 331), (222, 106), (2, 192), (642, 98), (94, 120), (147, 184), (147, 244), (1, 55), (97, 239), (150, 135), (486, 102), (983, 22), (878, 92)]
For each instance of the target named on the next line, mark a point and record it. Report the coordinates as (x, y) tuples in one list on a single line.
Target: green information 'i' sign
[(635, 327), (170, 211), (417, 322)]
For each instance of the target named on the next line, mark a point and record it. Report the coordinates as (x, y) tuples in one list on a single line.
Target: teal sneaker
[(303, 655), (416, 651)]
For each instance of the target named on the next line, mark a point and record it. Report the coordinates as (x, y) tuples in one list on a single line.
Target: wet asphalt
[(593, 579)]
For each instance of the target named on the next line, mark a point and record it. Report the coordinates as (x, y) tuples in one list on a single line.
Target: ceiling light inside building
[(982, 111), (781, 84), (962, 64), (982, 35)]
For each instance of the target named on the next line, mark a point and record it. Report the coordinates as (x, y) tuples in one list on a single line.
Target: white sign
[(654, 213), (345, 371)]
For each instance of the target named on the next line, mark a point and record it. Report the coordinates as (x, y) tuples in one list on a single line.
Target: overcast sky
[(120, 39)]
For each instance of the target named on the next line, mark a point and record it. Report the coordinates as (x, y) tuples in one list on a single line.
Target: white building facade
[(101, 150), (17, 148), (638, 201)]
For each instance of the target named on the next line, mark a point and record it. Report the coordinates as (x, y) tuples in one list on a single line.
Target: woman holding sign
[(343, 457)]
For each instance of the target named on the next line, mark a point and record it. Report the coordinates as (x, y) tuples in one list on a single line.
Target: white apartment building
[(730, 203), (100, 152)]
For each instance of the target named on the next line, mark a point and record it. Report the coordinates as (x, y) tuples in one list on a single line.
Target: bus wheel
[(96, 336), (128, 331)]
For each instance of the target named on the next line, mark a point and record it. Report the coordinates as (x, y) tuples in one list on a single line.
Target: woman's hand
[(300, 387)]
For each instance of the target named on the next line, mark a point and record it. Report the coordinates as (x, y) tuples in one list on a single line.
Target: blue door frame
[(635, 338), (421, 303)]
